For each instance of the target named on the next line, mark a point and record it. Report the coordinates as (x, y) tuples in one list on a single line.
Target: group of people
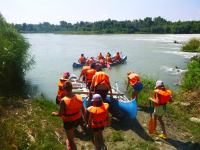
[(96, 114), (100, 59)]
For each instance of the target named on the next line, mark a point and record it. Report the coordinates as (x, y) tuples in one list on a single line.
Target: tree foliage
[(157, 25)]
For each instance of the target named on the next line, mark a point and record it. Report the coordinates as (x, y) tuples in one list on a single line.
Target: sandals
[(67, 143), (163, 136)]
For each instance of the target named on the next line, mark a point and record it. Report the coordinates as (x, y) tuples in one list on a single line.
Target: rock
[(180, 82), (195, 119), (175, 84), (175, 67), (185, 104)]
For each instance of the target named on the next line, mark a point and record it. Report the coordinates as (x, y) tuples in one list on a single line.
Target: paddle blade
[(151, 126), (108, 66)]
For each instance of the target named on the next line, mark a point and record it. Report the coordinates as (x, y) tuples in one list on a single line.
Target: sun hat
[(96, 97), (66, 73), (159, 83)]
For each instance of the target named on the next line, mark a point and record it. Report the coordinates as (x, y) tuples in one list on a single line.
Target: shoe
[(163, 136), (103, 148), (67, 143)]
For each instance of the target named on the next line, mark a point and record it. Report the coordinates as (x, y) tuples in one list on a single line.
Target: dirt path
[(135, 134)]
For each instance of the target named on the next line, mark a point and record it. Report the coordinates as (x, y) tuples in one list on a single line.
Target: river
[(153, 55)]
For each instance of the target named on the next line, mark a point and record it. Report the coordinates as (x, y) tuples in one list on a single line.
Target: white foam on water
[(171, 70), (184, 54)]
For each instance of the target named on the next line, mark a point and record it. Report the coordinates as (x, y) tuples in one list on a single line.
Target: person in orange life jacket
[(99, 56), (66, 76), (109, 59), (161, 97), (135, 82), (107, 55), (82, 59), (99, 117), (70, 106), (91, 60), (84, 70), (102, 62), (89, 75), (100, 84), (117, 57)]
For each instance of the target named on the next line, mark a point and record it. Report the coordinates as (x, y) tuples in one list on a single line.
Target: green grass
[(192, 45), (118, 136)]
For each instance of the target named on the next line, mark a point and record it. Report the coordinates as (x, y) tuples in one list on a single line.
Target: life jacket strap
[(101, 82), (61, 89), (99, 121), (71, 114)]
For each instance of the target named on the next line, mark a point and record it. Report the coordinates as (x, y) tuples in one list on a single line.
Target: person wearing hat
[(99, 117), (82, 59), (99, 56), (161, 97), (66, 76), (70, 106), (135, 82)]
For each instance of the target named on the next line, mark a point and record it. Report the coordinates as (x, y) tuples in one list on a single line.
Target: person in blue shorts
[(135, 82)]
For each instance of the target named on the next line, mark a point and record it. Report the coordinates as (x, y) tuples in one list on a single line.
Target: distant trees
[(157, 25)]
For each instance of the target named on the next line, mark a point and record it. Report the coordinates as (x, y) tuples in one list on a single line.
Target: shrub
[(192, 45), (15, 60)]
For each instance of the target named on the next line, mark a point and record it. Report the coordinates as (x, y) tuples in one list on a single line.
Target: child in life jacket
[(99, 117), (161, 97), (65, 78), (70, 106)]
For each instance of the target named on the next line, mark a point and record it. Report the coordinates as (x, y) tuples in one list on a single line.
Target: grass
[(193, 45)]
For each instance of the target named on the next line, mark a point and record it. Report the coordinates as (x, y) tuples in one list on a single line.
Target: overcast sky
[(72, 11)]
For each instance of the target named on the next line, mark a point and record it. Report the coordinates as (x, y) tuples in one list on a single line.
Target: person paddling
[(109, 59), (117, 57), (102, 62), (65, 78), (99, 117), (70, 106), (135, 82), (99, 56), (161, 97)]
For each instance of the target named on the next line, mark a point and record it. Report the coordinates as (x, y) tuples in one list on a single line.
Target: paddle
[(117, 88), (108, 65), (151, 124)]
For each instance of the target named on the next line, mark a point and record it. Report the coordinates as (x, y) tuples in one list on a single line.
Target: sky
[(72, 11)]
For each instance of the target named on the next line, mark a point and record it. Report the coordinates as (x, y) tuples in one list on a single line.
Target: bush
[(15, 60), (192, 46)]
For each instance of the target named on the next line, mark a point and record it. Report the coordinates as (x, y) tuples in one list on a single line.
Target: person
[(84, 70), (89, 75), (82, 59), (91, 60), (107, 55), (117, 57), (99, 117), (70, 106), (100, 84), (109, 60), (102, 62), (161, 97), (135, 82), (99, 56), (65, 78)]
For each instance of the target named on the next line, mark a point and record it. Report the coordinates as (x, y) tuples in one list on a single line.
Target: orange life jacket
[(90, 74), (82, 59), (109, 60), (117, 57), (60, 86), (74, 104), (90, 61), (101, 78), (85, 69), (164, 97), (99, 57), (99, 115), (107, 55), (134, 78), (102, 62)]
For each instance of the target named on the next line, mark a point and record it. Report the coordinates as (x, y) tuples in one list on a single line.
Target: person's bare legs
[(135, 95), (155, 117), (162, 125), (96, 139), (70, 135), (101, 138)]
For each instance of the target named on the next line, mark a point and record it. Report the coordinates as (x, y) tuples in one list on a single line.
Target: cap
[(66, 73), (159, 83), (96, 97)]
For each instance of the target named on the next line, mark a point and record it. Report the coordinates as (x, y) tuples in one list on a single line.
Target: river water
[(153, 55)]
